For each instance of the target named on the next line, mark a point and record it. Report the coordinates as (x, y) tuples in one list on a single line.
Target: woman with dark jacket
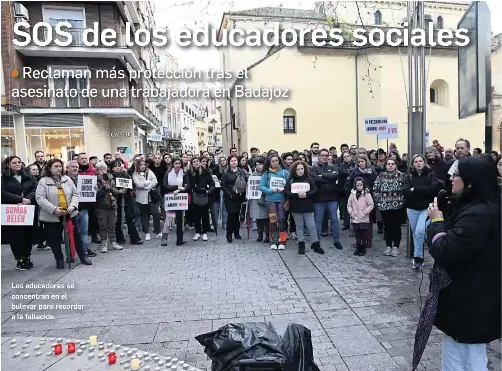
[(363, 170), (420, 187), (18, 188), (174, 183), (401, 163), (200, 186), (466, 248), (300, 190), (234, 186)]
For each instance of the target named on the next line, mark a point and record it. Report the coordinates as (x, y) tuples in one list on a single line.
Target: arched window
[(289, 121), (439, 93), (439, 23), (378, 17)]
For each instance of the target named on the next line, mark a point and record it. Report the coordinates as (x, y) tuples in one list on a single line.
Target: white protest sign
[(300, 187), (86, 187), (18, 214), (176, 202), (277, 183), (375, 125), (216, 182), (392, 132), (123, 183), (253, 191)]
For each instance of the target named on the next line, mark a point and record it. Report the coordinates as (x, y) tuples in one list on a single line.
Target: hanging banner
[(375, 125), (391, 133), (176, 202), (18, 214), (86, 187), (253, 191), (300, 187), (123, 183), (217, 183), (277, 183)]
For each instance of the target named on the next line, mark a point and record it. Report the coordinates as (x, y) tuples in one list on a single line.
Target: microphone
[(443, 199)]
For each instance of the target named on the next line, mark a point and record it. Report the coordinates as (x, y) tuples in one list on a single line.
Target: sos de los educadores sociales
[(208, 36)]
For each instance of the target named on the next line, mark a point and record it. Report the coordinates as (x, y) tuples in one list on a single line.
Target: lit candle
[(93, 340), (112, 358), (72, 347), (58, 349), (135, 364)]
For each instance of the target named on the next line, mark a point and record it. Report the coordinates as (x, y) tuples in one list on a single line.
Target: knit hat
[(101, 166)]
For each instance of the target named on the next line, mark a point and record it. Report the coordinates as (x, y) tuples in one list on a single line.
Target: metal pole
[(357, 99), (409, 7), (424, 78)]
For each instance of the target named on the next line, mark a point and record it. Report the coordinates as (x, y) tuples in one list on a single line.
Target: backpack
[(240, 185)]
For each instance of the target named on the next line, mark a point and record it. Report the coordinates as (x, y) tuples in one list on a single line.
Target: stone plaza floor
[(362, 311)]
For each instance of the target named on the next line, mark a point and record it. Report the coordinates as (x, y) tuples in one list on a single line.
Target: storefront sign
[(121, 135), (176, 202), (300, 187), (375, 125), (123, 183), (277, 183), (253, 191), (87, 186), (18, 214), (140, 131), (216, 182), (154, 137), (392, 132)]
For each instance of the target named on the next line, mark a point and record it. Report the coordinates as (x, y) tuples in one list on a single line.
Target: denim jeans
[(463, 357), (319, 210), (82, 220), (418, 226)]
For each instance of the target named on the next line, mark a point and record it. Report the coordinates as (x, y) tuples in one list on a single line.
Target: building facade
[(497, 92), (61, 127), (333, 89)]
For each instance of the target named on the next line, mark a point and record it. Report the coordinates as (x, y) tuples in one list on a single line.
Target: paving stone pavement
[(362, 311)]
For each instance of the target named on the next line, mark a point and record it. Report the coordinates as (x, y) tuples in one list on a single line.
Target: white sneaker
[(196, 237), (273, 247), (388, 251), (281, 247), (395, 252), (116, 246), (293, 236), (204, 237), (147, 237), (159, 235), (104, 246)]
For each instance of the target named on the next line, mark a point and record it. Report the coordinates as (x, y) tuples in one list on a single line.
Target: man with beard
[(39, 161), (88, 208), (314, 154), (448, 156)]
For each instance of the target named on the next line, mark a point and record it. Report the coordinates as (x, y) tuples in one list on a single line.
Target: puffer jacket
[(388, 191), (425, 188), (368, 174), (106, 198), (360, 208), (265, 181), (47, 198)]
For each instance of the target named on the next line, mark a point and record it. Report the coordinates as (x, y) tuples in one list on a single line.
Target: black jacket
[(297, 204), (232, 200), (218, 174), (469, 309), (326, 178), (425, 188), (199, 182), (440, 168)]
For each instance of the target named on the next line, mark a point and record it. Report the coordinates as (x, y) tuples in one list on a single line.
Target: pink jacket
[(360, 209)]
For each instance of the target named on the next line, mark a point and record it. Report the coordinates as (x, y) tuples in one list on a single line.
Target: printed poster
[(123, 183), (253, 191), (300, 187), (87, 186), (16, 215), (176, 202), (277, 183)]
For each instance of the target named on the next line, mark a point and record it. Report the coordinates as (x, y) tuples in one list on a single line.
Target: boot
[(362, 251), (85, 260), (163, 241), (356, 251), (316, 246), (260, 237), (301, 248), (267, 239), (60, 264)]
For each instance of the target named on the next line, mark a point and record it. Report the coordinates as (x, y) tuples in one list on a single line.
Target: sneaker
[(116, 246), (387, 251), (204, 237), (316, 246), (43, 247), (338, 245), (281, 247), (196, 237), (293, 236), (273, 247), (21, 265), (158, 235), (90, 253), (147, 237), (418, 263), (395, 252), (104, 246)]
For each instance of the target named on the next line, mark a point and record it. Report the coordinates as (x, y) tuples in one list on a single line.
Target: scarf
[(175, 179), (275, 171)]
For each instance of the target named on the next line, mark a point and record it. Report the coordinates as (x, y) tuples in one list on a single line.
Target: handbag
[(155, 195), (200, 199)]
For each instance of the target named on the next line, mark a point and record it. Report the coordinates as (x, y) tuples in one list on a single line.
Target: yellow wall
[(497, 99)]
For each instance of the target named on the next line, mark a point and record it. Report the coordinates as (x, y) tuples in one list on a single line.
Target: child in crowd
[(359, 206)]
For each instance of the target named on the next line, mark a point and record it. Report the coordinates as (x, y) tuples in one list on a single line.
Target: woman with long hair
[(174, 183), (218, 171), (420, 187), (57, 197), (243, 164), (145, 181), (400, 162), (167, 161), (18, 188), (200, 185), (234, 186), (272, 184), (466, 252)]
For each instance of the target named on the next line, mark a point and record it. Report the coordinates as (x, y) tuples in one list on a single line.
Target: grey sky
[(197, 13)]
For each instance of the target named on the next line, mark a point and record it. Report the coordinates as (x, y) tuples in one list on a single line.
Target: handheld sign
[(300, 187), (216, 182), (375, 125), (391, 133), (123, 183), (253, 191), (18, 214), (86, 187), (277, 183), (176, 202)]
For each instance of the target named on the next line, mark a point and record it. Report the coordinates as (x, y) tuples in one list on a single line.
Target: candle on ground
[(135, 364), (93, 340)]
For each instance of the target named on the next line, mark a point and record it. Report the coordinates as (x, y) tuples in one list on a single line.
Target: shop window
[(289, 121), (433, 95), (8, 143), (60, 143), (74, 80)]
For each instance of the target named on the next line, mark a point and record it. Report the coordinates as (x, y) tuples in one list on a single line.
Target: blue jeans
[(418, 226), (82, 221), (319, 211), (463, 357)]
